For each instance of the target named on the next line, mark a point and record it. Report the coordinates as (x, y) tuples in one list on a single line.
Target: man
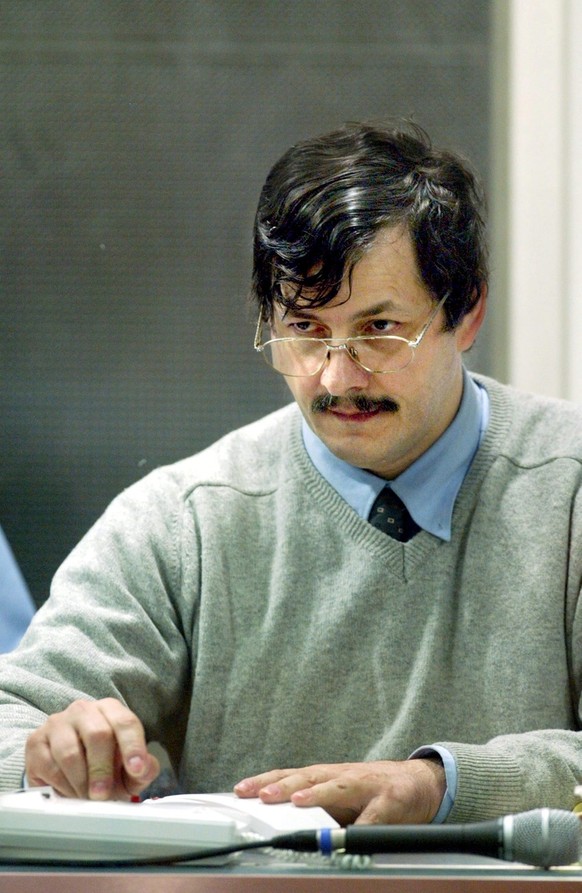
[(240, 607)]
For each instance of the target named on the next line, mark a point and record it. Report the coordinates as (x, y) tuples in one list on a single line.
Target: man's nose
[(341, 373)]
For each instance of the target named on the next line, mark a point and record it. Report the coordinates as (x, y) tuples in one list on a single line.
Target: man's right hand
[(93, 749)]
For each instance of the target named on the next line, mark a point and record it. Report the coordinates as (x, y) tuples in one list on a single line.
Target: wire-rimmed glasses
[(299, 357)]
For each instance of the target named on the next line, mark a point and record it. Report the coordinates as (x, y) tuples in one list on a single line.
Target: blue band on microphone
[(325, 844)]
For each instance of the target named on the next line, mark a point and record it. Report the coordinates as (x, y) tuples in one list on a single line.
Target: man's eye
[(381, 326), (303, 327)]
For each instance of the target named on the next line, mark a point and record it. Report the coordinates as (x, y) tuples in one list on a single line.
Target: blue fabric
[(16, 605), (451, 775)]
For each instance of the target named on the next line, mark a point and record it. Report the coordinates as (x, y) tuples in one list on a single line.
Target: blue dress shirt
[(428, 488), (16, 605)]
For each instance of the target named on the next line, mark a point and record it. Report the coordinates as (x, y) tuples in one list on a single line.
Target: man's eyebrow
[(388, 306)]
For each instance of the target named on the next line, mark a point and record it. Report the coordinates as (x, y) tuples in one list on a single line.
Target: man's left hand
[(382, 792)]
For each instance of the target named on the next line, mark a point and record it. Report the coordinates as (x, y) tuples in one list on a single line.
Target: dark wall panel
[(135, 139)]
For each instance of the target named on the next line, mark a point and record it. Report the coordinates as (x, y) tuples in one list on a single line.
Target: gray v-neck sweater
[(253, 621)]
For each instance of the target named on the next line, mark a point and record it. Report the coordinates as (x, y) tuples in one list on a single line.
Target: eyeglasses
[(303, 357)]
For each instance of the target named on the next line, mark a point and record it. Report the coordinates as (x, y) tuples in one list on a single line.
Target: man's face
[(381, 422)]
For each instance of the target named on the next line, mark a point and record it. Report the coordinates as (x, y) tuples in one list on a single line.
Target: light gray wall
[(135, 139)]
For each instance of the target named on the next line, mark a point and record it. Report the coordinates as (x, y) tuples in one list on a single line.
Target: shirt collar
[(429, 486)]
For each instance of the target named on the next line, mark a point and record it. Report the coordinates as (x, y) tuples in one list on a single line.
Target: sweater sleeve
[(515, 772), (512, 773), (115, 625), (541, 767)]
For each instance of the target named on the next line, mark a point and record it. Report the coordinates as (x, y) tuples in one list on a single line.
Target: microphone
[(540, 837)]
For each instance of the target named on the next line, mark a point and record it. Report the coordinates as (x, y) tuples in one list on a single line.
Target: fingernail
[(98, 790), (243, 787), (271, 790), (135, 765)]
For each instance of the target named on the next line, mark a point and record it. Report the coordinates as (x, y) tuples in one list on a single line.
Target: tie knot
[(390, 515)]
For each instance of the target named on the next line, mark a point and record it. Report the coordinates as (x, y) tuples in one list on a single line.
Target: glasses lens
[(306, 356), (301, 356), (382, 354)]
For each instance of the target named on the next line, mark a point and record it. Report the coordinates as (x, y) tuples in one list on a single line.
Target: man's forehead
[(397, 239)]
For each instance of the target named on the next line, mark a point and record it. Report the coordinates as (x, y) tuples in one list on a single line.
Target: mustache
[(357, 401)]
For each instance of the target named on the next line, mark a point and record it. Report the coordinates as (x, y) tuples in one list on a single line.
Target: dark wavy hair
[(325, 200)]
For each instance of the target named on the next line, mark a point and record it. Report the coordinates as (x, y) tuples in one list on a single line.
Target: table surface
[(415, 873)]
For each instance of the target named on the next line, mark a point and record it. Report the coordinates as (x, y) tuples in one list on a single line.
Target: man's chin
[(352, 437), (351, 449)]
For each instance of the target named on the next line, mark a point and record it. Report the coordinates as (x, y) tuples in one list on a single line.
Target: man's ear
[(467, 330)]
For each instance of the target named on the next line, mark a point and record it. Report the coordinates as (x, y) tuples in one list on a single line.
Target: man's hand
[(383, 792), (93, 749)]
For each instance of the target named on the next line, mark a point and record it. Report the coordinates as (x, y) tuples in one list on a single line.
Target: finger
[(132, 784), (93, 749), (73, 751), (277, 785), (292, 781), (341, 800), (42, 768), (355, 793), (250, 787), (132, 766), (82, 746)]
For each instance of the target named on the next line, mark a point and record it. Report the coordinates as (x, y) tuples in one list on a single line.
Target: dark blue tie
[(390, 515)]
